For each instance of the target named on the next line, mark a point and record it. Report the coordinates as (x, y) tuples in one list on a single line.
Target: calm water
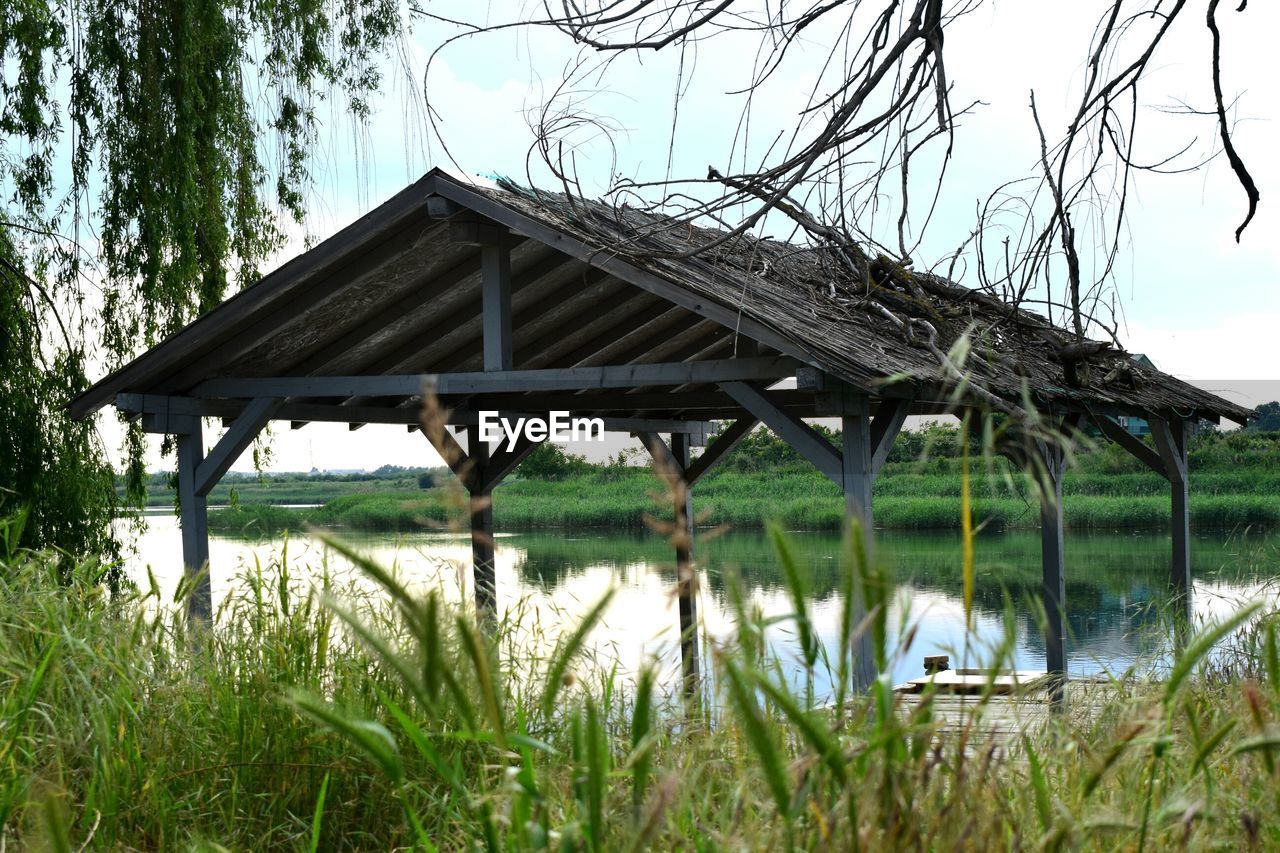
[(1116, 584)]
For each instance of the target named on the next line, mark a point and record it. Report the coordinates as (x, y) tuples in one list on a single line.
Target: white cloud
[(1239, 346)]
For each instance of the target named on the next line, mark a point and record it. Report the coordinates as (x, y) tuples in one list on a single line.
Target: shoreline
[(399, 514)]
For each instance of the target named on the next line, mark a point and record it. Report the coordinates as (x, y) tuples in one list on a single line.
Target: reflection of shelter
[(524, 302)]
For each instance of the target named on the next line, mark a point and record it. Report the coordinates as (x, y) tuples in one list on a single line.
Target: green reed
[(369, 713)]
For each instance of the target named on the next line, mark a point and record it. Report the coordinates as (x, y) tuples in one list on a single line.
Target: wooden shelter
[(508, 299)]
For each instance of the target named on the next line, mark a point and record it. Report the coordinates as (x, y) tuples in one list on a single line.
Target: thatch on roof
[(892, 329), (593, 285)]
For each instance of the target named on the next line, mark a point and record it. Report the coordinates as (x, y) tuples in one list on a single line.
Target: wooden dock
[(998, 709)]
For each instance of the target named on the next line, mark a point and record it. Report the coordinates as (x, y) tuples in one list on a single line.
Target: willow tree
[(150, 152)]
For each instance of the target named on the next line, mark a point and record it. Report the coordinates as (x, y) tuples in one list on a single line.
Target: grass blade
[(1039, 786), (641, 745), (478, 650), (371, 737), (795, 585), (1200, 646), (819, 737), (966, 528), (318, 818), (761, 739), (568, 649)]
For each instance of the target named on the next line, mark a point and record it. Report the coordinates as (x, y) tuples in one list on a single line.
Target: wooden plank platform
[(971, 681), (1021, 705)]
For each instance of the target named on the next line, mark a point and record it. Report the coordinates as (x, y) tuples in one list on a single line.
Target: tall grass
[(333, 718), (1234, 482)]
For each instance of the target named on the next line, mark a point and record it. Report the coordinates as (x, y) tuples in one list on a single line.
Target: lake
[(1116, 587)]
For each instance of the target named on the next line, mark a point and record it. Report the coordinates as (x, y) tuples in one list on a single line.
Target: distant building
[(1137, 426), (1134, 426)]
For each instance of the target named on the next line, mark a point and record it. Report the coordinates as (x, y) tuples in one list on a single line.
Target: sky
[(1200, 306)]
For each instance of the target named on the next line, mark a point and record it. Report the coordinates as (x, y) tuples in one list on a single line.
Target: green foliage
[(1267, 418), (549, 461), (762, 450), (192, 123), (149, 739), (1235, 481), (49, 464), (346, 719), (797, 499)]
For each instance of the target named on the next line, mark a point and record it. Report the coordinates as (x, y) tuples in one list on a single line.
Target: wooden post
[(195, 520), (686, 580), (1171, 443), (674, 459), (198, 474), (1053, 578), (858, 472), (495, 292), (483, 573), (1170, 461)]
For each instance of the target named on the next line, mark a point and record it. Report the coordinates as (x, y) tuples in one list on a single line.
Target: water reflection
[(1116, 587)]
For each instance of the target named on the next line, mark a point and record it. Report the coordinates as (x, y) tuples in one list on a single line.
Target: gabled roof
[(398, 293)]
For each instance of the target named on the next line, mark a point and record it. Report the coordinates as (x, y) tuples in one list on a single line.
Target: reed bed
[(799, 501), (1235, 481)]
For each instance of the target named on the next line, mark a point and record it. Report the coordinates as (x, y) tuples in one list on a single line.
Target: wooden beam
[(414, 352), (1121, 436), (611, 424), (604, 401), (170, 423), (469, 229), (724, 443), (439, 207), (1170, 439), (689, 344), (539, 310), (857, 471), (856, 455), (660, 452), (331, 350), (686, 571), (504, 461), (454, 456), (607, 334), (502, 381), (495, 286), (790, 428), (729, 316), (404, 350), (176, 414), (405, 209), (243, 431), (242, 342), (886, 425)]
